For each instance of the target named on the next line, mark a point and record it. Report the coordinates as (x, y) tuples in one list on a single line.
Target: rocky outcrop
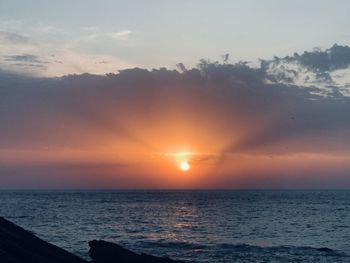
[(20, 246), (107, 252)]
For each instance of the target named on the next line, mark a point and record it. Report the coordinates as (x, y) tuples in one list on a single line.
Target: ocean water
[(195, 226)]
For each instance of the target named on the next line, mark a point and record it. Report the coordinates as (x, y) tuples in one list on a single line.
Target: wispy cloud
[(92, 33), (13, 38), (121, 35), (21, 54), (89, 28)]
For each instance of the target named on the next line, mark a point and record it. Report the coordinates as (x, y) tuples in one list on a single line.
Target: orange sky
[(133, 130)]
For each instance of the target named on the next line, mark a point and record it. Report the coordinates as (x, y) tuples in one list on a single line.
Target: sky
[(122, 94), (104, 36)]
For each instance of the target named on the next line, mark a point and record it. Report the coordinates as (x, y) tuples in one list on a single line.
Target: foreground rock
[(106, 252), (20, 246)]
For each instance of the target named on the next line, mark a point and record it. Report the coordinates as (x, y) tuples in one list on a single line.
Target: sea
[(191, 225)]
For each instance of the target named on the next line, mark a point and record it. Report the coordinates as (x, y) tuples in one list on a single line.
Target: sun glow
[(184, 166)]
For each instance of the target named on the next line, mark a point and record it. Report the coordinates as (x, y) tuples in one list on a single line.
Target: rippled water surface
[(198, 226)]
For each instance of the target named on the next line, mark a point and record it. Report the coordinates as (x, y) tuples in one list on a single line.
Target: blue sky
[(104, 36)]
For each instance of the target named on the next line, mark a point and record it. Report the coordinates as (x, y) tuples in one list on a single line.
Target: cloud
[(23, 58), (89, 28), (12, 38), (21, 54), (92, 36), (336, 57), (123, 35), (222, 111), (318, 67), (239, 103), (26, 61)]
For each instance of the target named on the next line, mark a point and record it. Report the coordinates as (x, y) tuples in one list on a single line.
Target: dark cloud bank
[(317, 64), (252, 110)]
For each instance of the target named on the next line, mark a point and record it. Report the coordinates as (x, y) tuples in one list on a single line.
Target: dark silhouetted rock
[(106, 252), (20, 246)]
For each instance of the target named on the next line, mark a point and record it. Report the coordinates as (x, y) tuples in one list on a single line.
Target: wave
[(253, 253), (242, 252), (172, 244), (242, 247)]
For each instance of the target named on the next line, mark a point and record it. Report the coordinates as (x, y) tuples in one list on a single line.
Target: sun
[(184, 166)]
